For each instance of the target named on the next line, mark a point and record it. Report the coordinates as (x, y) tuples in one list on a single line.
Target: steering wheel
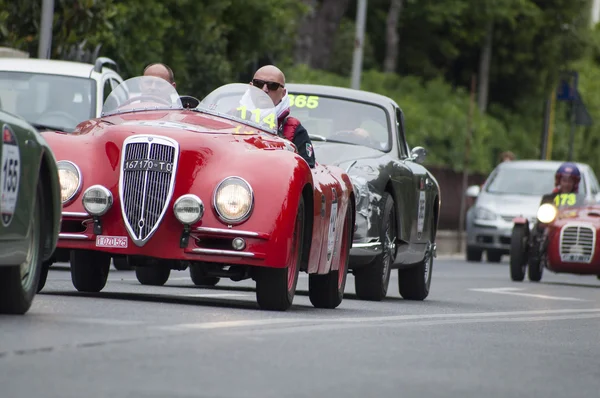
[(147, 97)]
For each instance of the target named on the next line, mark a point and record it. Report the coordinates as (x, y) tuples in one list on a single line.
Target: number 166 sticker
[(9, 174)]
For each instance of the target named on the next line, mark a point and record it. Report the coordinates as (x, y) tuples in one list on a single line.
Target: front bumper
[(490, 235)]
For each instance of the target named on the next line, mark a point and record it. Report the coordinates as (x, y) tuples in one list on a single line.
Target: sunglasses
[(272, 86)]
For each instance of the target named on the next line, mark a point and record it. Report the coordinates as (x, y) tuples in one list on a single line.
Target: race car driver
[(271, 80), (566, 179)]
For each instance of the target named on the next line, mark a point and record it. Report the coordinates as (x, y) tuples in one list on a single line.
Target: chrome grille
[(577, 242), (148, 169)]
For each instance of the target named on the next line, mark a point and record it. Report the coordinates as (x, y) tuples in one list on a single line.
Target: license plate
[(575, 258), (119, 242)]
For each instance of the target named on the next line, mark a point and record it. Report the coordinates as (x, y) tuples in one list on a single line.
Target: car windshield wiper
[(46, 127)]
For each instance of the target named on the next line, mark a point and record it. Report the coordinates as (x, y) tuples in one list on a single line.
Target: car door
[(403, 179), (420, 189), (18, 176)]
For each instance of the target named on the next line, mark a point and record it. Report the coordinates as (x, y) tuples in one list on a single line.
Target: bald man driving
[(271, 80)]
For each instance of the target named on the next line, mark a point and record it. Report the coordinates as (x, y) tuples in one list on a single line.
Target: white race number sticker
[(421, 213), (10, 174), (332, 231)]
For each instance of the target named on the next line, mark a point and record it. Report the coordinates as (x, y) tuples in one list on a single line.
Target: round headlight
[(97, 200), (188, 209), (233, 200), (70, 180), (546, 213)]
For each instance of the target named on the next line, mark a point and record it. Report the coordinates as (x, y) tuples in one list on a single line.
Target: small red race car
[(564, 239), (212, 188)]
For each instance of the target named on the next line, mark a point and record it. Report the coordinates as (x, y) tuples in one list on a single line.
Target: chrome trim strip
[(75, 214), (223, 252), (366, 245), (227, 231), (64, 235)]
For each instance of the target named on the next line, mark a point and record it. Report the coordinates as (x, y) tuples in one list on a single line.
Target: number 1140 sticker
[(9, 174)]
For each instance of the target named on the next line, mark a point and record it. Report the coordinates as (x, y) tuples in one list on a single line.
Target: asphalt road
[(478, 334)]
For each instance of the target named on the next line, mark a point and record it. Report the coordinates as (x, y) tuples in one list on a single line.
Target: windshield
[(243, 103), (48, 101), (338, 119), (142, 93), (521, 181)]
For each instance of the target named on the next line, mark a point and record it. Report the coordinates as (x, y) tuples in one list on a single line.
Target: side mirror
[(473, 191), (418, 154)]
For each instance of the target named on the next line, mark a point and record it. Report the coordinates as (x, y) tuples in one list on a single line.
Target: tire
[(197, 275), (327, 291), (414, 283), (153, 275), (43, 276), (474, 254), (89, 270), (494, 256), (276, 287), (121, 264), (518, 252), (17, 291), (535, 268), (371, 282)]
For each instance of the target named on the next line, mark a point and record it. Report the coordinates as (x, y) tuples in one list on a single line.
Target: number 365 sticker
[(10, 174)]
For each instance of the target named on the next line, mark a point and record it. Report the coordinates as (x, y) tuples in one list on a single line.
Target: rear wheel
[(19, 283), (276, 287), (327, 291), (121, 264), (474, 254), (152, 274), (518, 252), (89, 270), (371, 282), (414, 283), (199, 278)]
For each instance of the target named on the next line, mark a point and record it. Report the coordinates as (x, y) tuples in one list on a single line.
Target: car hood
[(510, 205), (334, 153)]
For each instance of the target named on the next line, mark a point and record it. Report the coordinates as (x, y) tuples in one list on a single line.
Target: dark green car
[(30, 207)]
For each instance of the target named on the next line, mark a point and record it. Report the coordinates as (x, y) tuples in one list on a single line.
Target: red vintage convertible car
[(212, 188), (564, 239)]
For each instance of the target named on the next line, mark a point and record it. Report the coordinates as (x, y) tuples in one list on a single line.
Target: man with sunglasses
[(271, 80)]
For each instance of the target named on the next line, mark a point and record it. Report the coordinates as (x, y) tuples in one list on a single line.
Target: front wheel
[(371, 282), (414, 283), (518, 252), (19, 283), (327, 291), (276, 287)]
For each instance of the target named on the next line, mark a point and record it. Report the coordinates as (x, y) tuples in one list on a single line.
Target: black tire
[(43, 276), (121, 264), (414, 283), (199, 279), (535, 268), (371, 282), (17, 291), (494, 256), (327, 291), (518, 252), (153, 275), (89, 270), (276, 287), (474, 254)]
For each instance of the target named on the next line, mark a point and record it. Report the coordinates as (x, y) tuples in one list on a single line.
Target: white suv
[(55, 94)]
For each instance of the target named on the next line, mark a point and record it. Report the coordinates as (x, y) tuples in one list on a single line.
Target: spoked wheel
[(327, 291), (19, 283), (518, 252), (276, 287), (371, 282)]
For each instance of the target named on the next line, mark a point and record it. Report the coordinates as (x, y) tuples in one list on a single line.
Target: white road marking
[(515, 292), (477, 316), (220, 295)]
